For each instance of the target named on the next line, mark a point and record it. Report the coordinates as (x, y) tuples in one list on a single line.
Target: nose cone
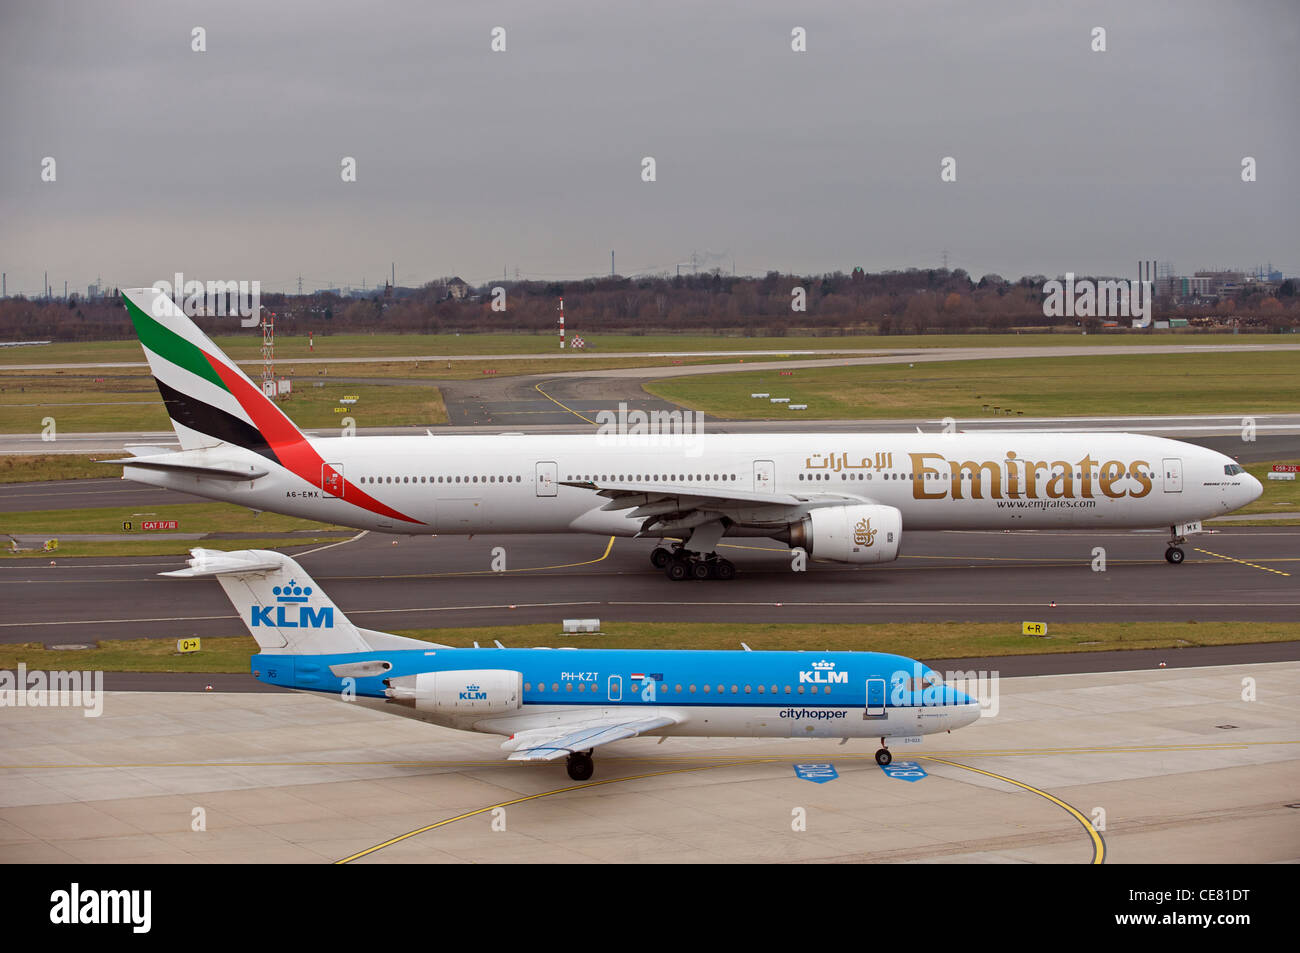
[(1253, 489), (966, 710)]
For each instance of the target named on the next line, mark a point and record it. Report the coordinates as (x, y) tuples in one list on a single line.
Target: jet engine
[(460, 692), (862, 533)]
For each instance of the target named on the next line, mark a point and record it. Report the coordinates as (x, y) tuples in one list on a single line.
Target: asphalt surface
[(396, 583), (87, 494)]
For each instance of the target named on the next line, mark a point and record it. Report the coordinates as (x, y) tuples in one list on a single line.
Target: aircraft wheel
[(1174, 555), (883, 757), (676, 570), (724, 569), (659, 557), (580, 766), (699, 569)]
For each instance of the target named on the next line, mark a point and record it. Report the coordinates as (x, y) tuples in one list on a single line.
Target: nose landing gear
[(1174, 554), (883, 757)]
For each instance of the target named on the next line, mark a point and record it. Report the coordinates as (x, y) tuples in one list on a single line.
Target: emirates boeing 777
[(840, 497)]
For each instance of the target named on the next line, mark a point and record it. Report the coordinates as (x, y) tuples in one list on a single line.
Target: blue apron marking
[(904, 770), (817, 773)]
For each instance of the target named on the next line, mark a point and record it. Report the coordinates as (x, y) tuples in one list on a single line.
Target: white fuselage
[(515, 483)]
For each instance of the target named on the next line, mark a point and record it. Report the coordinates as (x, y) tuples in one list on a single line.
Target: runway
[(393, 583), (1164, 766)]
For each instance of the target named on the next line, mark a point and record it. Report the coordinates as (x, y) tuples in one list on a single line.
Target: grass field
[(1116, 384), (247, 346), (166, 547), (81, 403), (39, 467), (916, 640), (193, 518)]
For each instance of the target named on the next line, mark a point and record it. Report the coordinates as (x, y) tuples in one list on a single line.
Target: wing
[(556, 741), (664, 507)]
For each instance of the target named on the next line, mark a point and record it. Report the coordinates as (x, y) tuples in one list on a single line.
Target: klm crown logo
[(286, 598), (823, 673), (292, 593), (472, 693)]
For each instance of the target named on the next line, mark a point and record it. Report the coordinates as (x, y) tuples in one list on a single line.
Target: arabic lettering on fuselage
[(1010, 477), (837, 463)]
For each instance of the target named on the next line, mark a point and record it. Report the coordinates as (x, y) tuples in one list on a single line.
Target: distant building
[(1223, 283), (1191, 287), (458, 289)]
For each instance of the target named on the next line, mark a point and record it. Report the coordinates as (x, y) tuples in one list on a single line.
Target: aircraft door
[(616, 688), (764, 476), (1173, 475), (875, 699), (547, 475), (331, 481)]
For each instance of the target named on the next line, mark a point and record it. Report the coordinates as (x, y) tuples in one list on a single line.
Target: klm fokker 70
[(553, 703), (841, 497)]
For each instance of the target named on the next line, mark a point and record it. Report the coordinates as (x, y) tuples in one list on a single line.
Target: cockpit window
[(930, 679), (1232, 469)]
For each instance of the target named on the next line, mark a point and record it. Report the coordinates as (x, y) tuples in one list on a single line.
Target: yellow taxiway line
[(538, 388), (1243, 562), (1098, 845)]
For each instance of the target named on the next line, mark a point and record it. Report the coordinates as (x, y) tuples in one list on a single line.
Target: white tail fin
[(282, 607)]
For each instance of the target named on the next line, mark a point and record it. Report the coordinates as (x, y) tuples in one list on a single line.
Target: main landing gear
[(679, 563), (883, 757), (580, 765), (1174, 553)]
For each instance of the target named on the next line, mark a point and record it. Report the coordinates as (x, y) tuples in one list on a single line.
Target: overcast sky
[(226, 164)]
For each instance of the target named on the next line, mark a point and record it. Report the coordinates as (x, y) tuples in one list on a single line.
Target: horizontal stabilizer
[(209, 470), (214, 562)]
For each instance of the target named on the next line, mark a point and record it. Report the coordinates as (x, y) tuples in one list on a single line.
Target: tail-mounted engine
[(459, 692)]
